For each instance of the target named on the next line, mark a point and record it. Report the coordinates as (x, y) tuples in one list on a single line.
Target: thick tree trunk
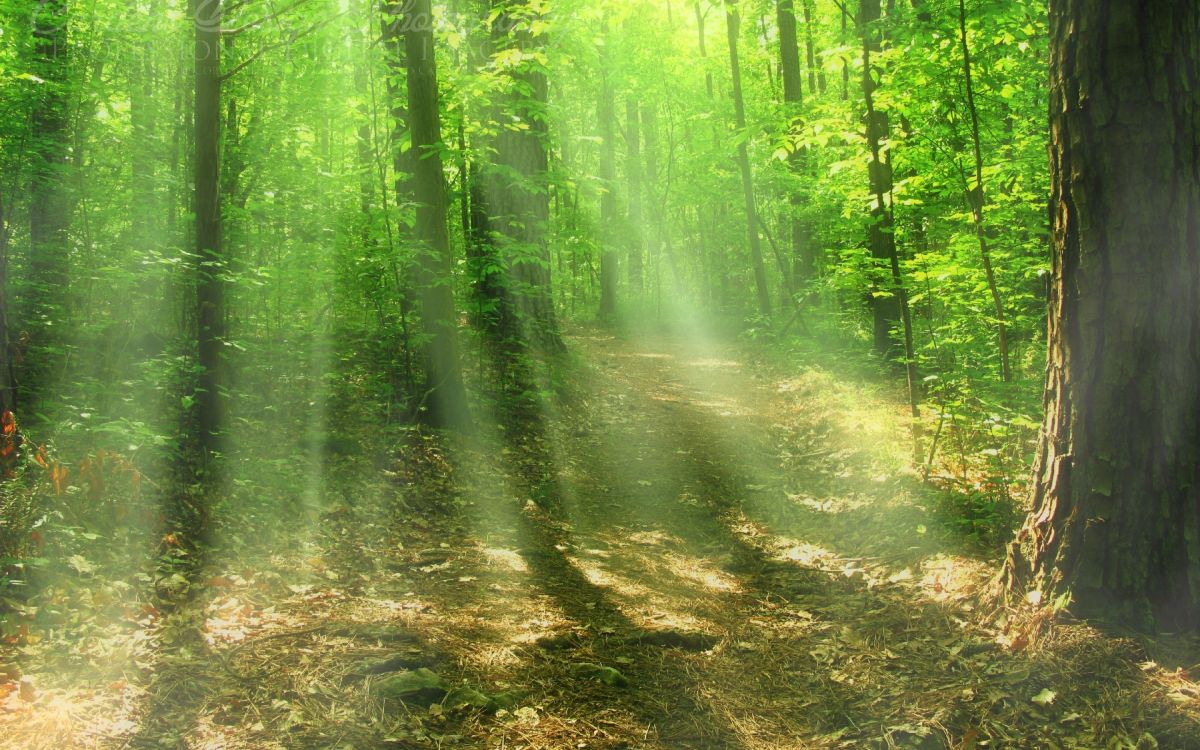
[(1116, 501), (445, 398), (210, 262), (732, 24)]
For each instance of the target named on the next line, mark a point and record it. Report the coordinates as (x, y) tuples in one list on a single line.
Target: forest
[(611, 374)]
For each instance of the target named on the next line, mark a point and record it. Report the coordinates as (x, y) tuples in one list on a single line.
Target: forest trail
[(689, 550)]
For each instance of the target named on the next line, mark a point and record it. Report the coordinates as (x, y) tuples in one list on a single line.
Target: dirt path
[(685, 551)]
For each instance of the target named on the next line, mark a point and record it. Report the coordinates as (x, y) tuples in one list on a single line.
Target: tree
[(209, 258), (890, 301), (732, 25), (49, 155), (446, 398), (977, 198), (516, 196), (633, 179), (1116, 501), (606, 114), (793, 97)]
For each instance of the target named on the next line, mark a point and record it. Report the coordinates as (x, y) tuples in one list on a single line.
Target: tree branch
[(290, 40), (261, 21)]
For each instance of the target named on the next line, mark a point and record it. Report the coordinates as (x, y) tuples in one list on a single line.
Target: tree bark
[(517, 192), (732, 24), (48, 208), (793, 98), (892, 305), (210, 261), (885, 301), (1116, 496), (633, 178), (8, 379), (445, 397), (608, 199), (814, 84)]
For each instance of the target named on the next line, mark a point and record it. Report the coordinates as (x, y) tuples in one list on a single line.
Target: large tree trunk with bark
[(1116, 498), (445, 400)]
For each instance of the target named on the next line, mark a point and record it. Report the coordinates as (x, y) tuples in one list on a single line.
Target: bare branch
[(260, 21), (282, 43)]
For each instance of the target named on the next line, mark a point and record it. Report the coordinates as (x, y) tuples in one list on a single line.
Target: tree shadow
[(545, 538)]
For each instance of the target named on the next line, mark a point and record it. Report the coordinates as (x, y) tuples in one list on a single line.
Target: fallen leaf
[(1044, 698)]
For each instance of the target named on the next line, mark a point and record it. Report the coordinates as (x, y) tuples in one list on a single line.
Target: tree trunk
[(890, 301), (608, 199), (810, 52), (446, 400), (48, 207), (977, 199), (732, 23), (209, 262), (793, 97), (885, 301), (633, 175), (516, 192), (8, 380), (1116, 497)]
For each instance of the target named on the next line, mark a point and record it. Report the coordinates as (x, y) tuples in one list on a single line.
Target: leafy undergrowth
[(682, 551)]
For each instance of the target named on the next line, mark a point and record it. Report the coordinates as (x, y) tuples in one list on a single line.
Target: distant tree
[(49, 157), (793, 97), (605, 111), (209, 258), (516, 195), (446, 401), (732, 27), (1116, 496)]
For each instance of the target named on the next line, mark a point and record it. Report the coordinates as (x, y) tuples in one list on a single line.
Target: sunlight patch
[(832, 505), (58, 719), (651, 537), (598, 576), (946, 577), (508, 558), (698, 571), (715, 364)]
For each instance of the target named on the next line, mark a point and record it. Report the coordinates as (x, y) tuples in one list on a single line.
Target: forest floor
[(687, 548)]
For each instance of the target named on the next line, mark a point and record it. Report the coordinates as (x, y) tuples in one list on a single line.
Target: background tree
[(445, 394)]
